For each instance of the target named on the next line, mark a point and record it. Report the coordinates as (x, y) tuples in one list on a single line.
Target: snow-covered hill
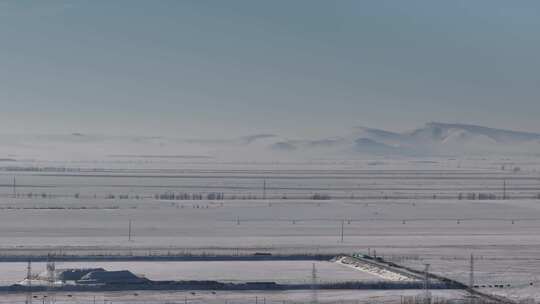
[(432, 139)]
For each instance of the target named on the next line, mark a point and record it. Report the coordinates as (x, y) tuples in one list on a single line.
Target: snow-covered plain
[(237, 271), (206, 297), (443, 232)]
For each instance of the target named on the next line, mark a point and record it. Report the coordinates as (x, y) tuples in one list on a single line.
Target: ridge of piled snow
[(381, 272)]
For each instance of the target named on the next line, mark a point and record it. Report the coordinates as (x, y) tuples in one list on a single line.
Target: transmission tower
[(29, 283), (314, 297), (427, 295), (51, 274)]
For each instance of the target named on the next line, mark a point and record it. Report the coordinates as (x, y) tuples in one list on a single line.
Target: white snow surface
[(385, 274), (503, 234)]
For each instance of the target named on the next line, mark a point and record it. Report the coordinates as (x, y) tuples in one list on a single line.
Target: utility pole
[(129, 231), (264, 189), (504, 189), (471, 272), (14, 187), (342, 230)]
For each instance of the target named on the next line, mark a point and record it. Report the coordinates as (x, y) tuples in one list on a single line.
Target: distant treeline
[(217, 196), (213, 196)]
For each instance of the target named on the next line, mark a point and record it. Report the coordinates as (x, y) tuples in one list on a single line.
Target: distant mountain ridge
[(499, 135), (436, 138), (432, 139)]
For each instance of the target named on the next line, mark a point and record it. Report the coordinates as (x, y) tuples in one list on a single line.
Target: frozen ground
[(283, 181), (393, 227), (245, 271), (443, 232), (517, 270), (323, 296)]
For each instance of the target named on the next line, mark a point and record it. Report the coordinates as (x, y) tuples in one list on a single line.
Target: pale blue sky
[(298, 68)]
